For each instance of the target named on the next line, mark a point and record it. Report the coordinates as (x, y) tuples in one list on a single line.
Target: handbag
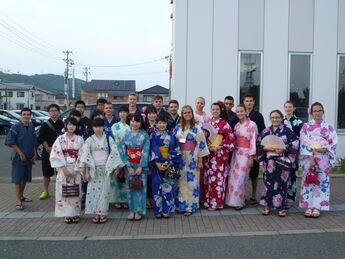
[(70, 190), (283, 163), (312, 177), (135, 183), (120, 177)]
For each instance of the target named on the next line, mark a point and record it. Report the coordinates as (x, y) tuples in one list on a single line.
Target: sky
[(99, 33)]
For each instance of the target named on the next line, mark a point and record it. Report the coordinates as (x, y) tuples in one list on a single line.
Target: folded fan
[(316, 142), (272, 141)]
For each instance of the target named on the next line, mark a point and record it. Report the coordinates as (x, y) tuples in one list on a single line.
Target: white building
[(277, 49), (43, 98), (15, 96)]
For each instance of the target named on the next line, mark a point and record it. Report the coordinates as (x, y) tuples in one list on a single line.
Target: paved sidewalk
[(37, 221)]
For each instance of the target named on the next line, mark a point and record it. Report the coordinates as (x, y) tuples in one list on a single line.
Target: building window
[(299, 83), (9, 94), (148, 98), (20, 106), (250, 76), (20, 94), (341, 92)]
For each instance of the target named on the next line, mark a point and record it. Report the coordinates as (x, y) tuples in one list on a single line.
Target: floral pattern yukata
[(188, 180), (65, 154), (246, 134), (295, 124), (101, 161), (275, 179), (317, 196), (164, 147), (118, 190), (215, 173), (140, 140)]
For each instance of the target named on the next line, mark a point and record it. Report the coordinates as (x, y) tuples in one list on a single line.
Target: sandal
[(125, 206), (118, 206), (315, 213), (238, 208), (158, 216), (95, 219), (288, 205), (19, 207), (130, 216), (253, 201), (25, 199), (137, 217), (166, 216), (68, 220), (187, 213), (282, 213), (308, 213), (211, 209), (266, 211), (103, 219), (75, 219)]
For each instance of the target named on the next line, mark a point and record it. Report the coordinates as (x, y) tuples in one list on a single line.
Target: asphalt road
[(324, 245)]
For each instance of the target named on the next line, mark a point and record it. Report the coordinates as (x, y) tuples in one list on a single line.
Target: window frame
[(239, 75), (20, 96), (341, 130)]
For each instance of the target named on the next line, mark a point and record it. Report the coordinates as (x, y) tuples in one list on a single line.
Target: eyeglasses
[(318, 111)]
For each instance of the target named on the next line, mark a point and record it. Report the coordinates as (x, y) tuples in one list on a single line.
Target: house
[(148, 94), (277, 50), (15, 96), (43, 98), (112, 90)]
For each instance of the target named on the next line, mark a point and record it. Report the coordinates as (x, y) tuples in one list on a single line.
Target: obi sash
[(188, 146), (100, 156), (242, 142), (216, 143), (134, 155), (164, 151), (71, 155)]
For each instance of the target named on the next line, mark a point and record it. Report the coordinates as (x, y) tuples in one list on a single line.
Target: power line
[(125, 65), (48, 45), (69, 62)]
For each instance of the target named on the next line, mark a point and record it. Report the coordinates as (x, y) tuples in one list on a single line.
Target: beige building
[(43, 98), (148, 94)]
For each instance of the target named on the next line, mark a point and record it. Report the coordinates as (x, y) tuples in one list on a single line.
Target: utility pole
[(69, 62), (86, 73)]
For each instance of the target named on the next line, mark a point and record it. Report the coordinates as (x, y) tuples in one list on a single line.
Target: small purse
[(120, 177), (283, 163), (70, 190), (312, 177), (135, 183)]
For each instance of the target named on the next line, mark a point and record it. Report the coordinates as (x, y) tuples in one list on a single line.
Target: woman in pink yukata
[(246, 133), (315, 197)]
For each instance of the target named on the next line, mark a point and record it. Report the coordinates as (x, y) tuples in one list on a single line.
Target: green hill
[(50, 82)]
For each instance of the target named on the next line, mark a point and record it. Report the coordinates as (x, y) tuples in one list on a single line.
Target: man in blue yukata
[(22, 139)]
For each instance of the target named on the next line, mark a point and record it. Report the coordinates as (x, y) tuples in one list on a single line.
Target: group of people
[(152, 158)]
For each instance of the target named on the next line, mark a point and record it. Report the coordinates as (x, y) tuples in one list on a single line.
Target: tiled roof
[(157, 89), (112, 87)]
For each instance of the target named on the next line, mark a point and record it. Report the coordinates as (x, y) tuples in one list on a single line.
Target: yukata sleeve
[(156, 155), (293, 145), (114, 160), (304, 148), (85, 157), (253, 130), (57, 158), (260, 152), (175, 155), (79, 145), (332, 147), (228, 139), (145, 152), (201, 147), (12, 136)]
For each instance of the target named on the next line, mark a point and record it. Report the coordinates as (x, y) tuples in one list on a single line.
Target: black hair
[(277, 111), (135, 117), (72, 121), (75, 112), (248, 95), (25, 109), (316, 104), (173, 101), (151, 109), (162, 118), (79, 102), (101, 100), (96, 113), (98, 122), (229, 97), (53, 105), (123, 108)]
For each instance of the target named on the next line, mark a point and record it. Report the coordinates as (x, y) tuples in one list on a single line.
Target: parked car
[(15, 116), (5, 124), (37, 116)]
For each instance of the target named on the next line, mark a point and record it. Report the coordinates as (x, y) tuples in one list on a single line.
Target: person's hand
[(269, 149), (22, 157), (320, 150), (131, 171), (250, 162), (49, 149), (200, 164), (66, 172), (138, 171), (212, 149), (34, 158), (312, 163), (87, 176), (279, 150)]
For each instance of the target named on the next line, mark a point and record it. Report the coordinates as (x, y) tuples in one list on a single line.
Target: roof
[(17, 86), (45, 91), (157, 89), (112, 87)]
